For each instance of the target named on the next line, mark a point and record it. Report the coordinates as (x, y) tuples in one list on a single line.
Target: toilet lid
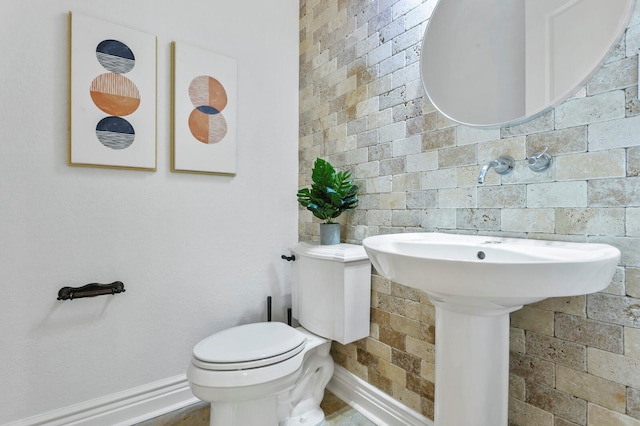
[(249, 346)]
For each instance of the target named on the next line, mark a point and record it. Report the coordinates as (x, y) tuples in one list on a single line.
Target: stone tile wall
[(574, 361)]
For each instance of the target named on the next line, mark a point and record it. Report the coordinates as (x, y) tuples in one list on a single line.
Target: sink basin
[(476, 270), (474, 283)]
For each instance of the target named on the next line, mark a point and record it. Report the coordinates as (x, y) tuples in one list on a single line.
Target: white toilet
[(270, 374)]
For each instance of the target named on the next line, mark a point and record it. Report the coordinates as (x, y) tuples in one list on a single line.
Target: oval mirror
[(494, 62)]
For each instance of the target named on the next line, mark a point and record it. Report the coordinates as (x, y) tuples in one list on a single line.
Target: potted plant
[(330, 194)]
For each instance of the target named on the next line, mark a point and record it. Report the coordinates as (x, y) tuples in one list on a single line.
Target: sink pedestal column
[(472, 365)]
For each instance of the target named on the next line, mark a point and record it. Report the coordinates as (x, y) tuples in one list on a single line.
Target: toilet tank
[(331, 290)]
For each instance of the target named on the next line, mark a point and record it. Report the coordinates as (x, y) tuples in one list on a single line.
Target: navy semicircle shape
[(115, 48), (115, 125), (208, 109)]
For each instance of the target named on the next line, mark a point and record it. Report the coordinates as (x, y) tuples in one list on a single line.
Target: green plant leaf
[(330, 194)]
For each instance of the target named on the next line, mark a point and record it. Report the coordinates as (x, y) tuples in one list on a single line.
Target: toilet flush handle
[(288, 258)]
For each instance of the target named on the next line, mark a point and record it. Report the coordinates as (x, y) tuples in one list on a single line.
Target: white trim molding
[(121, 409), (372, 403)]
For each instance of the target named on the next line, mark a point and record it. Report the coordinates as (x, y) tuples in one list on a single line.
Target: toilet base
[(314, 417), (260, 412), (292, 400)]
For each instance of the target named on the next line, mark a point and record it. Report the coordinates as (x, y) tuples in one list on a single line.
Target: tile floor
[(337, 412)]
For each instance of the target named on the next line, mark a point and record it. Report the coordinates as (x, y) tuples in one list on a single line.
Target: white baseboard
[(372, 403), (155, 399), (121, 409)]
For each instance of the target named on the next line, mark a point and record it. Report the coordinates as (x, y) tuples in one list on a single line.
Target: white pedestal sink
[(474, 283)]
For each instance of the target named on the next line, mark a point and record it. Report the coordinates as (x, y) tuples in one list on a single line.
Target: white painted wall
[(196, 253)]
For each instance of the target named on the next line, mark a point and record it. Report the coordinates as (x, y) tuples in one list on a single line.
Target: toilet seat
[(248, 346)]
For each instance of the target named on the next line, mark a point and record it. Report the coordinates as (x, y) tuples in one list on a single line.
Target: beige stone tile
[(393, 201), (438, 139), (406, 182), (556, 402), (379, 217), (592, 109), (367, 170), (632, 342), (561, 141), (521, 413), (614, 134), (533, 319), (478, 219), (422, 161), (633, 160), (591, 388), (633, 222), (469, 135), (415, 310), (590, 221), (614, 75), (392, 372), (532, 368), (424, 388), (560, 352), (407, 397), (378, 184), (599, 416), (492, 149), (465, 197), (516, 387), (438, 179), (613, 367), (405, 292), (379, 349), (418, 347), (575, 305), (422, 199), (614, 309), (617, 285), (541, 123), (428, 370), (435, 219), (596, 334), (502, 196), (458, 156), (409, 363), (392, 166), (633, 403), (591, 165), (405, 325), (517, 340), (407, 146), (633, 282), (527, 220), (392, 132), (557, 194)]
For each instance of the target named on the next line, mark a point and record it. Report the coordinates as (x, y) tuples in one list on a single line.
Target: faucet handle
[(505, 165), (540, 161)]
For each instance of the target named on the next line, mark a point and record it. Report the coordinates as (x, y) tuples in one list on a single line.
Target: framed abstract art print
[(112, 83), (204, 111)]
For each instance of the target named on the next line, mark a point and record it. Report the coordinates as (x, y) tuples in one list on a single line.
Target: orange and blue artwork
[(113, 95), (204, 107)]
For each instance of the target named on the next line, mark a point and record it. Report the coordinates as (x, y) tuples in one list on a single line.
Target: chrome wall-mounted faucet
[(540, 161), (503, 165)]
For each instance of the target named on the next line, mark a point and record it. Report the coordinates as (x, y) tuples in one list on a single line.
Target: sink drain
[(481, 255)]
